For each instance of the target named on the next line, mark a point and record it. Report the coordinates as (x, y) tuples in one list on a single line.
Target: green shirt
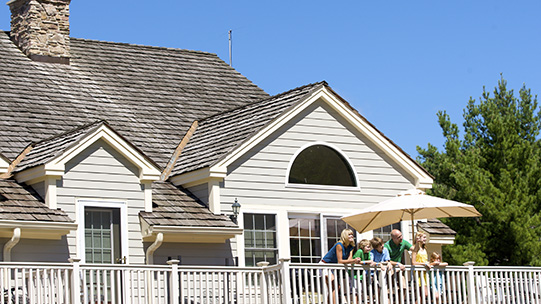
[(364, 257), (396, 251)]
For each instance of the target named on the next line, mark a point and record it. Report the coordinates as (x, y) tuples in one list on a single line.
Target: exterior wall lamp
[(236, 210)]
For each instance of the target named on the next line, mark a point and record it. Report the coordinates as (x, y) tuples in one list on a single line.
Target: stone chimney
[(40, 28)]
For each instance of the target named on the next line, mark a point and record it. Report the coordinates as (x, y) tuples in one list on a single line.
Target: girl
[(419, 256), (437, 279), (342, 253)]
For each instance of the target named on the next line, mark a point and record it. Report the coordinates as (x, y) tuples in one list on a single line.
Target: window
[(321, 165), (334, 231), (305, 240), (102, 235), (260, 238), (385, 232)]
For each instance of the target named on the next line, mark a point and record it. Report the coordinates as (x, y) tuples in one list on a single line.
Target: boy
[(380, 254)]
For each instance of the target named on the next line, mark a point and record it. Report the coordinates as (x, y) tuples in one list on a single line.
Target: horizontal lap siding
[(201, 192), (34, 250), (258, 178), (101, 173)]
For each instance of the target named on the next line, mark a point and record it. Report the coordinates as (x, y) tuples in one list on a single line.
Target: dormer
[(46, 160)]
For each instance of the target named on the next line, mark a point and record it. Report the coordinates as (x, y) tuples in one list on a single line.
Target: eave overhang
[(36, 229), (191, 234)]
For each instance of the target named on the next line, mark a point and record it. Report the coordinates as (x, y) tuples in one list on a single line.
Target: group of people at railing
[(385, 256)]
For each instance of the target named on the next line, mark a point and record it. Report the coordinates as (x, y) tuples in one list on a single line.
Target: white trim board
[(107, 204)]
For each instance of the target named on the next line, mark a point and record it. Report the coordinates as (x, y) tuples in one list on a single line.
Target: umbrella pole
[(412, 230)]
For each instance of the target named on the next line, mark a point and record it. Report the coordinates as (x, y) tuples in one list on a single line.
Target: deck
[(285, 282)]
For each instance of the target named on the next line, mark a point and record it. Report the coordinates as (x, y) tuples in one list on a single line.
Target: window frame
[(355, 188), (245, 248), (105, 204), (308, 216)]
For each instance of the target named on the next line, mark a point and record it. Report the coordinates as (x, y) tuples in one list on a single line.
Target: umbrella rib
[(471, 211), (373, 219), (447, 213)]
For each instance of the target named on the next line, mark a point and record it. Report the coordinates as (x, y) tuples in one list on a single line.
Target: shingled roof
[(150, 95), (44, 150), (176, 206), (19, 202), (435, 227), (219, 134)]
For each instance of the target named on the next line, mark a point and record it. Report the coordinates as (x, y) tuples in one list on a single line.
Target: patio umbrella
[(412, 205)]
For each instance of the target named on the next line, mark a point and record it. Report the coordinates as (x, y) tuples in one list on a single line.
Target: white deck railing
[(286, 283)]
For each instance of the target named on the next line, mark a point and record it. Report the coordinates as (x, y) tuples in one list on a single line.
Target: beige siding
[(100, 173), (31, 250), (195, 254), (258, 178), (201, 191)]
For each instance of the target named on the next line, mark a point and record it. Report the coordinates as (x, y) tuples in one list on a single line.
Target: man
[(396, 246)]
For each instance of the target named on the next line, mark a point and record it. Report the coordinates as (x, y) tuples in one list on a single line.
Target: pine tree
[(495, 166)]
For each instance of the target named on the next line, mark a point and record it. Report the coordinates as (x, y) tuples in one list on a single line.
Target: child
[(367, 258), (380, 254), (419, 256), (437, 279), (363, 252)]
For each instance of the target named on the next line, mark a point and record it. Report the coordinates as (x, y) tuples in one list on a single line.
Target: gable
[(322, 93), (49, 158), (260, 177)]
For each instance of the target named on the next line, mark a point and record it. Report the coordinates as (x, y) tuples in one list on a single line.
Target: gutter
[(150, 250), (11, 243)]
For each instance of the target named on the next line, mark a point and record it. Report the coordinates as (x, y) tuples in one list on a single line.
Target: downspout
[(150, 250), (11, 243)]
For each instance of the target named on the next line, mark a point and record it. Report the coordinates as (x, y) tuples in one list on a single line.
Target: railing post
[(471, 283), (263, 283), (75, 280), (175, 286), (383, 297), (286, 286)]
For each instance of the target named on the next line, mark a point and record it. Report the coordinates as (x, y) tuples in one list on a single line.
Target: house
[(120, 153)]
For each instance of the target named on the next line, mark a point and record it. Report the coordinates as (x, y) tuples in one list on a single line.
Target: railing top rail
[(451, 268)]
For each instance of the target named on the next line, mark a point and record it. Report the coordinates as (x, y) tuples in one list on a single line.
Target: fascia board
[(37, 229), (442, 239), (192, 234), (148, 171), (4, 165), (423, 180), (37, 174), (199, 176)]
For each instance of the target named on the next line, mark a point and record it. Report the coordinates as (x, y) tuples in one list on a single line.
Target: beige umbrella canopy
[(409, 205)]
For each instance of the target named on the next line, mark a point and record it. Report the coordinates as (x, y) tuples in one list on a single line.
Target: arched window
[(321, 165)]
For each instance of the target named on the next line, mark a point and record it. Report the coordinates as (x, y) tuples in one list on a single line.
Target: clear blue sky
[(397, 62)]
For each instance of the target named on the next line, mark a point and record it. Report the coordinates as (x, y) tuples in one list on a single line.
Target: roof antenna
[(230, 48)]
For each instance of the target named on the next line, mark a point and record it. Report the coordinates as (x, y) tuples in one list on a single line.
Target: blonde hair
[(363, 243), (344, 237), (434, 256), (417, 245)]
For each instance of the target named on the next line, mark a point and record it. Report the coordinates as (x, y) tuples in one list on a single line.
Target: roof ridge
[(319, 83)]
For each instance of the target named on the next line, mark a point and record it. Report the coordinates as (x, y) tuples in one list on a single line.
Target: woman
[(341, 253)]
